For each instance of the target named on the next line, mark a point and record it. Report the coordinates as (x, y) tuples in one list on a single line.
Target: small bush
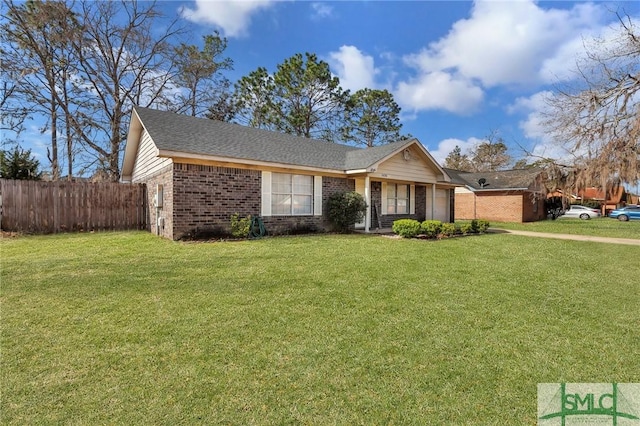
[(466, 228), (448, 230), (406, 228), (430, 228), (345, 209), (240, 226), (482, 226)]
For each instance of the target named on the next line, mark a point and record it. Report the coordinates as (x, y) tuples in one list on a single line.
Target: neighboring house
[(503, 196), (611, 200), (199, 172)]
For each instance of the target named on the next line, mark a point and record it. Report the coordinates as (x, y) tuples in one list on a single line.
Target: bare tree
[(36, 40), (122, 62), (599, 116)]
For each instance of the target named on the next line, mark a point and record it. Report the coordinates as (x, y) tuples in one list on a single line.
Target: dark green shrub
[(240, 226), (345, 209), (482, 226), (406, 228), (448, 229), (430, 228)]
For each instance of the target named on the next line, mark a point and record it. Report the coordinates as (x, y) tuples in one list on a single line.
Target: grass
[(600, 227), (126, 328)]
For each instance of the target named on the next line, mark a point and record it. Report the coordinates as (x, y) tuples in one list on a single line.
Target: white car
[(582, 212)]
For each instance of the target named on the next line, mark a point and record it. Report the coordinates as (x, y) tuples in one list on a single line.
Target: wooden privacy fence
[(49, 207)]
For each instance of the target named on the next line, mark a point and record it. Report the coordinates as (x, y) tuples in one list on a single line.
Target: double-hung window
[(397, 198), (290, 195)]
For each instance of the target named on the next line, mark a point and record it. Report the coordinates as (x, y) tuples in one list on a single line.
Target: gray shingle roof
[(181, 133), (503, 179)]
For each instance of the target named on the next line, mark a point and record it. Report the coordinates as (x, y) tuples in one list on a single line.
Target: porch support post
[(367, 199), (433, 201)]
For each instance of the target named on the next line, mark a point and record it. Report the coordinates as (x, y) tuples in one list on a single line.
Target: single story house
[(502, 196), (199, 172)]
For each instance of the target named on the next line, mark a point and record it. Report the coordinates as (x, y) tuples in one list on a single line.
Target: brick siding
[(499, 206), (205, 198), (165, 178)]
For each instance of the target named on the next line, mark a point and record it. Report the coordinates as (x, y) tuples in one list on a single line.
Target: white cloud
[(233, 17), (321, 10), (439, 90), (501, 43), (447, 145), (504, 42), (533, 106), (355, 69), (533, 127)]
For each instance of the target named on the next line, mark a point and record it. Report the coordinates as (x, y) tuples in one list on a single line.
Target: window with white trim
[(397, 198), (291, 194)]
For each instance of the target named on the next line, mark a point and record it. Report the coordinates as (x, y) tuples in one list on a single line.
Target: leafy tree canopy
[(373, 118), (19, 164), (458, 161), (301, 98)]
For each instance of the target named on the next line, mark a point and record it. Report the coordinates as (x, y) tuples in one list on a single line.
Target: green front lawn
[(600, 227), (126, 328)]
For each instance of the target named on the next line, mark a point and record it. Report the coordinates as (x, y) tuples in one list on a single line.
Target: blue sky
[(459, 70)]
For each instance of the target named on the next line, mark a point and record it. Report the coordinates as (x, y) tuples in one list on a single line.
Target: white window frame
[(411, 204), (267, 195)]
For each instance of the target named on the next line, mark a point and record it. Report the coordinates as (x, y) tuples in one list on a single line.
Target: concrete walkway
[(627, 241)]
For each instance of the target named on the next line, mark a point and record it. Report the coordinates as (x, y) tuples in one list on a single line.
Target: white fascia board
[(500, 189), (131, 148)]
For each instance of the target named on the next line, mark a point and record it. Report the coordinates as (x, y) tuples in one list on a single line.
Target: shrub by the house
[(409, 228), (430, 228), (466, 228), (240, 226), (448, 230), (406, 228), (346, 209), (481, 225)]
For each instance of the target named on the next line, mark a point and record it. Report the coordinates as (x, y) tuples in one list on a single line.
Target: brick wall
[(533, 208), (165, 178), (205, 197), (499, 206), (465, 209)]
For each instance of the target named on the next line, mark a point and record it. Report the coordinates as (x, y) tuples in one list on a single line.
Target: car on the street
[(582, 212), (626, 213)]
